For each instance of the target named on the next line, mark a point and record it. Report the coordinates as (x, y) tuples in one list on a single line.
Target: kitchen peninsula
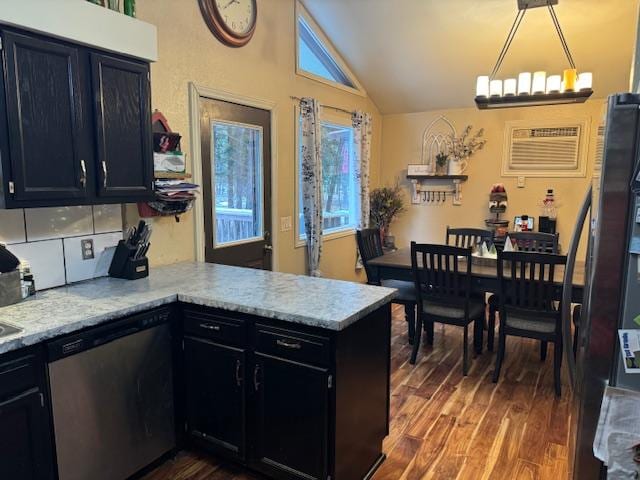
[(285, 374)]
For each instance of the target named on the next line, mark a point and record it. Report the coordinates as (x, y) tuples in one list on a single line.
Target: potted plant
[(442, 159), (386, 204)]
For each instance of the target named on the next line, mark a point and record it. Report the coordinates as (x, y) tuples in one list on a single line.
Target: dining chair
[(526, 242), (370, 247), (535, 241), (471, 237), (468, 237), (528, 308), (576, 317), (443, 291)]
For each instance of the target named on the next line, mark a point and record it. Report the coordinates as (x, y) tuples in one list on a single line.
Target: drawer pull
[(238, 377), (288, 344), (210, 326), (256, 382)]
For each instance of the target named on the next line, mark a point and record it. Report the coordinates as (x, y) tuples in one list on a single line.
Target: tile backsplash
[(50, 240)]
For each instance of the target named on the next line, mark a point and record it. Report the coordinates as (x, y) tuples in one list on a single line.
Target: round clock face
[(237, 15), (232, 21)]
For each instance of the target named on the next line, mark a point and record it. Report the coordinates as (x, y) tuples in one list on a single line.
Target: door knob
[(268, 248)]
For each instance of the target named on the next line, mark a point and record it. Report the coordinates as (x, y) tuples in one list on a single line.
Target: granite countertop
[(318, 302)]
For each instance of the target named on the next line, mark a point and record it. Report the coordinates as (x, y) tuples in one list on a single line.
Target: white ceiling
[(417, 55)]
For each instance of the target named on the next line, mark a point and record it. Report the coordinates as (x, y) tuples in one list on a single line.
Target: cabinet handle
[(210, 326), (104, 174), (285, 343), (238, 377), (83, 174), (256, 383)]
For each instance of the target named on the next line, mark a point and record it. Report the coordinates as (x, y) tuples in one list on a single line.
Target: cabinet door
[(44, 113), (292, 418), (123, 127), (25, 447), (214, 376)]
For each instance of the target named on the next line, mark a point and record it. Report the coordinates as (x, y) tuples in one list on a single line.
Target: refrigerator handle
[(567, 284)]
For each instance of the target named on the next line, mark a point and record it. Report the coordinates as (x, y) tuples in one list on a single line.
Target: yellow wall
[(264, 69), (401, 145)]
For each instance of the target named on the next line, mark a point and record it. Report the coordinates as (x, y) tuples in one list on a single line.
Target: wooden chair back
[(526, 281), (440, 274), (535, 241), (370, 247), (468, 237)]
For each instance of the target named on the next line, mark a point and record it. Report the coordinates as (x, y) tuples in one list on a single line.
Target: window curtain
[(362, 147), (311, 182)]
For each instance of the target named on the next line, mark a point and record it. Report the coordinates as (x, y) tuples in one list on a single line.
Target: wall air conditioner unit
[(599, 153), (545, 148)]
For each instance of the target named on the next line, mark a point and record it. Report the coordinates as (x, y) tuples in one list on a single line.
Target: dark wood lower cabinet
[(306, 403), (25, 432), (215, 398), (291, 417)]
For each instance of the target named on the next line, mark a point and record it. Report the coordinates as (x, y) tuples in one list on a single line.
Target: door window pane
[(237, 183)]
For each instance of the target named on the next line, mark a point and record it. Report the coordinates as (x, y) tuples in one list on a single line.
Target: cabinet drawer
[(215, 327), (18, 373), (293, 345)]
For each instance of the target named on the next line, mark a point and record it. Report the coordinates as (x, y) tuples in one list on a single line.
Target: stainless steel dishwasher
[(112, 397)]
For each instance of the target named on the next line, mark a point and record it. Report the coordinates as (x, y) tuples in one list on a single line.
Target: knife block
[(123, 265)]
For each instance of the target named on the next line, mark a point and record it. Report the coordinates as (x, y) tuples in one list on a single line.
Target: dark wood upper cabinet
[(75, 124), (44, 110), (123, 126)]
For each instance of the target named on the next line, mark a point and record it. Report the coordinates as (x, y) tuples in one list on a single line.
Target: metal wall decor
[(436, 138)]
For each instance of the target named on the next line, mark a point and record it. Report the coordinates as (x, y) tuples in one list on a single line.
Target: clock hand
[(231, 3)]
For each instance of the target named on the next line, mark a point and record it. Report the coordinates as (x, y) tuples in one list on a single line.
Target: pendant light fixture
[(537, 88)]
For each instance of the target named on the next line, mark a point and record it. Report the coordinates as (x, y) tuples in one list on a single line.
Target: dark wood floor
[(446, 426)]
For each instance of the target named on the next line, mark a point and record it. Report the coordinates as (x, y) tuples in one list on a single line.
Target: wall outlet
[(521, 180), (87, 249), (285, 224)]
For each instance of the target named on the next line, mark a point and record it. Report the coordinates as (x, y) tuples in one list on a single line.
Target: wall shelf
[(423, 193), (462, 178)]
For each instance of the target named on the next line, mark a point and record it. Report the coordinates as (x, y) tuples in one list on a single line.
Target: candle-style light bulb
[(510, 87), (482, 86), (539, 83), (495, 88), (553, 84), (570, 77), (524, 83), (585, 81)]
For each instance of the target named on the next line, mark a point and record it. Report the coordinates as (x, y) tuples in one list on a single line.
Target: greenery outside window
[(340, 189)]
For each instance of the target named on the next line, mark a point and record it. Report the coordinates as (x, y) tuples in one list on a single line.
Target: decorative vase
[(441, 169), (114, 5), (130, 8), (389, 242), (456, 166)]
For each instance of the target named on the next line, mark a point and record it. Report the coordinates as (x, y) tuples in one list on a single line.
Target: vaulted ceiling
[(417, 55)]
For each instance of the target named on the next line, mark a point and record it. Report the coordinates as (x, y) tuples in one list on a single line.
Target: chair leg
[(410, 317), (428, 327), (576, 332), (478, 335), (491, 327), (500, 356), (543, 351), (465, 351), (416, 340), (557, 366)]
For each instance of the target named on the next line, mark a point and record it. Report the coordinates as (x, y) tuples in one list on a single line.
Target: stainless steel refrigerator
[(612, 292)]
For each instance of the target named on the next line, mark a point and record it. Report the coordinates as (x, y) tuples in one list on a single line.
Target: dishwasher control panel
[(106, 333)]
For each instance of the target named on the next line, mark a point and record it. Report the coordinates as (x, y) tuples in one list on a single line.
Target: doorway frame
[(196, 92)]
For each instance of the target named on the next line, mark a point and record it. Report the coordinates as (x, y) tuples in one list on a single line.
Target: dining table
[(396, 265)]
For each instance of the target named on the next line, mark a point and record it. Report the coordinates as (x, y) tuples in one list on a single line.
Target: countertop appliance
[(611, 214), (112, 397)]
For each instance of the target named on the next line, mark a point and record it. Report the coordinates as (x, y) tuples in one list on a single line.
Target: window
[(340, 189), (316, 59)]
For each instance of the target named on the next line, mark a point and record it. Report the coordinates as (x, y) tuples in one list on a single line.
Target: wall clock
[(231, 21)]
